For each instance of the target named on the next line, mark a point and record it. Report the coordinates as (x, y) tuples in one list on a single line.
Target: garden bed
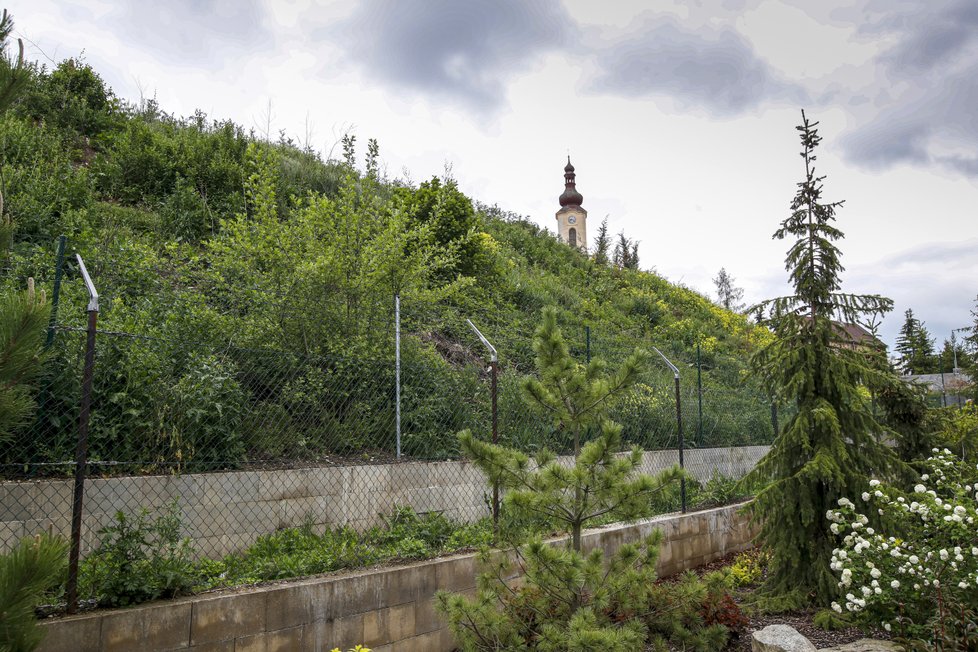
[(377, 607)]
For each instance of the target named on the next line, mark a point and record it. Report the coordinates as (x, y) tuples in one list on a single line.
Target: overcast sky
[(679, 117)]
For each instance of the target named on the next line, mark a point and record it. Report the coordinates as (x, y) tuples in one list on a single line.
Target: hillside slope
[(204, 239)]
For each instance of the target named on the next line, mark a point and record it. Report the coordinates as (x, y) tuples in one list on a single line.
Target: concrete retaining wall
[(387, 609), (226, 512)]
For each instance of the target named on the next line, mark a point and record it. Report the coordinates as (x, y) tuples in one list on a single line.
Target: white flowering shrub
[(920, 572)]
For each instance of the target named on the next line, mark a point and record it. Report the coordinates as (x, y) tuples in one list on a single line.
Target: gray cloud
[(936, 254), (932, 68), (713, 68), (942, 295), (192, 31), (460, 50), (931, 33)]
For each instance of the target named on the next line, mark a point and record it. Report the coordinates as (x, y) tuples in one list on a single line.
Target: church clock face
[(571, 220)]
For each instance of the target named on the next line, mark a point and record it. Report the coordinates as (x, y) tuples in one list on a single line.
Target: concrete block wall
[(225, 512), (387, 609)]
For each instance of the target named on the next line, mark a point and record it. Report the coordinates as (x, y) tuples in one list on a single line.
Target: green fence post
[(699, 392), (587, 337), (56, 294)]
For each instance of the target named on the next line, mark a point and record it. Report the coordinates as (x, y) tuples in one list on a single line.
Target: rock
[(780, 638), (865, 645)]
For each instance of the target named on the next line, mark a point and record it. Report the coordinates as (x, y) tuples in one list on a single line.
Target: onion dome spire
[(570, 196)]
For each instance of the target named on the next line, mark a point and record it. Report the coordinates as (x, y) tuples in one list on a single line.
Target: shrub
[(748, 567), (918, 575), (140, 559)]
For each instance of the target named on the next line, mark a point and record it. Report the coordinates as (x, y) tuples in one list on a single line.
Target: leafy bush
[(295, 552), (719, 607), (202, 432), (139, 559), (748, 567), (917, 575)]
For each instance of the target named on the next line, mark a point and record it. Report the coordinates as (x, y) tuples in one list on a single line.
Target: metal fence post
[(45, 394), (679, 428), (493, 370), (587, 336), (56, 294), (397, 372), (699, 394), (81, 451)]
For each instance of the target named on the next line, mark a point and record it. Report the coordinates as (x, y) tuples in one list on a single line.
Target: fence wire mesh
[(238, 442)]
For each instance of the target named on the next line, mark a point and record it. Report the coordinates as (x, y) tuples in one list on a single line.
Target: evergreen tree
[(829, 447), (26, 573), (589, 603), (23, 318), (729, 295), (626, 253), (952, 351), (602, 244), (916, 347), (633, 257), (971, 343), (14, 74)]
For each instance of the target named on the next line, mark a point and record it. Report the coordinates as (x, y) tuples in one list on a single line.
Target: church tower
[(571, 218)]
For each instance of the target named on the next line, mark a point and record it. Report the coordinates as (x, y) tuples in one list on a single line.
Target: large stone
[(865, 645), (780, 638)]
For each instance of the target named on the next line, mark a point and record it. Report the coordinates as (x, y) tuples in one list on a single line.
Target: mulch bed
[(801, 620)]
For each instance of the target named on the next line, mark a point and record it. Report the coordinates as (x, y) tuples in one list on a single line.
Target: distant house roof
[(855, 333), (937, 382)]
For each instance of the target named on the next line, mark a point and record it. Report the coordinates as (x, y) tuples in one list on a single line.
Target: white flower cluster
[(933, 544)]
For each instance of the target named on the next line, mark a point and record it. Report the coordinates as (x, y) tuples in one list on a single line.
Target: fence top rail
[(92, 292), (675, 370)]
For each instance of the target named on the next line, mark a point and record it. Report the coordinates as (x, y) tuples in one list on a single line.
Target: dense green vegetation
[(260, 279), (143, 558)]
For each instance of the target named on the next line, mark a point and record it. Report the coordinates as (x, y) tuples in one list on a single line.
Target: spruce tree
[(971, 342), (729, 295), (830, 447), (602, 244), (915, 346), (633, 256), (568, 600)]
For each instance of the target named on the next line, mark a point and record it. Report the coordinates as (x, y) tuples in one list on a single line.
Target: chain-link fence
[(245, 441)]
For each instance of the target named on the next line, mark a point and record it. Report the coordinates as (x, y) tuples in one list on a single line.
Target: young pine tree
[(32, 568), (568, 600), (23, 318), (831, 446), (14, 74)]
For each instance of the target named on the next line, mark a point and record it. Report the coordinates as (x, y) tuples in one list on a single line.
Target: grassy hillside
[(217, 247)]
